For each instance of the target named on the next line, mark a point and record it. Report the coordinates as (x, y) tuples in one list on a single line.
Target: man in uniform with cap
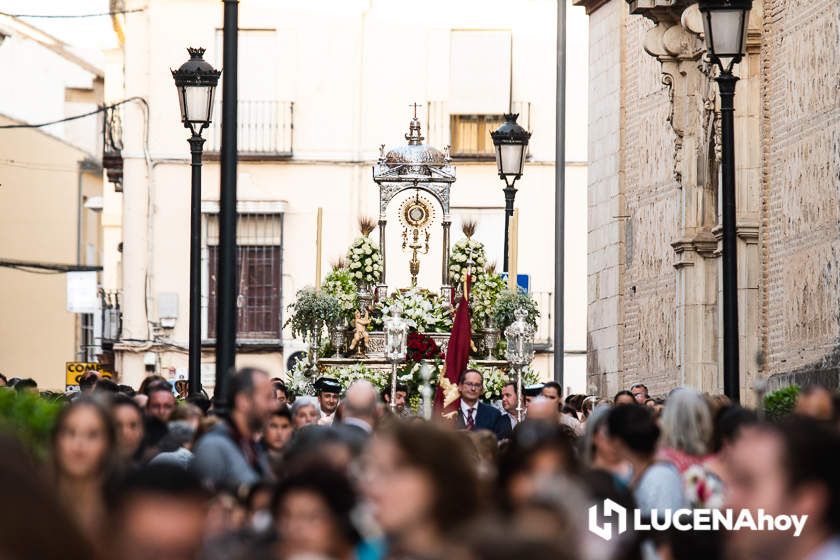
[(531, 391), (328, 390)]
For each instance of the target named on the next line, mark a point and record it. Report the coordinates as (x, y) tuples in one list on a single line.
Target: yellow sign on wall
[(76, 370)]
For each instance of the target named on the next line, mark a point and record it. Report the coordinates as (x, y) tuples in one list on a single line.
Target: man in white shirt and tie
[(476, 415), (509, 403)]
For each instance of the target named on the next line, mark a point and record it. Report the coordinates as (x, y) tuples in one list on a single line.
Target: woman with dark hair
[(128, 420), (598, 452), (312, 509), (148, 382), (634, 434), (624, 397), (729, 422), (539, 450), (84, 452), (422, 485), (33, 524)]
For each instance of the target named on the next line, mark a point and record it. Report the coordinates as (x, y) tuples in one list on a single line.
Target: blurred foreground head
[(313, 512), (791, 468), (157, 512), (30, 511), (422, 484), (539, 450)]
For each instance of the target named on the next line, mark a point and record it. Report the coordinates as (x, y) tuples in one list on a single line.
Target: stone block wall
[(651, 221), (654, 239), (605, 200), (801, 190)]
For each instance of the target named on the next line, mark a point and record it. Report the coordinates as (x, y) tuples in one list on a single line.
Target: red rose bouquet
[(422, 347)]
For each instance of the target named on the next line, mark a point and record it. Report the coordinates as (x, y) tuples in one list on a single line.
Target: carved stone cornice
[(590, 5), (703, 244), (659, 10), (675, 41), (748, 231)]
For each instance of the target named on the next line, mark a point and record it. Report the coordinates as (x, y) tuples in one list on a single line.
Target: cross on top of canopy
[(414, 165)]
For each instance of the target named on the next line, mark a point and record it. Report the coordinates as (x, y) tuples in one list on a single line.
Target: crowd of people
[(347, 474)]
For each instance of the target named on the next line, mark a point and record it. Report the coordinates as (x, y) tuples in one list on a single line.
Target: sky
[(88, 36)]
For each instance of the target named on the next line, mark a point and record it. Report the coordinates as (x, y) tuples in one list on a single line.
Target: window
[(259, 273), (87, 342), (470, 134), (264, 126), (479, 89)]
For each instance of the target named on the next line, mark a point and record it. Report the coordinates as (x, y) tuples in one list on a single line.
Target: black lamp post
[(196, 82), (510, 140), (725, 23)]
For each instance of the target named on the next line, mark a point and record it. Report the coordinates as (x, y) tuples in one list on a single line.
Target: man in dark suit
[(474, 414)]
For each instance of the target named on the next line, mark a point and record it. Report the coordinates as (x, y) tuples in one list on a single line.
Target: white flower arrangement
[(300, 383), (348, 374), (364, 262), (297, 380), (422, 310), (485, 291), (495, 379), (466, 253)]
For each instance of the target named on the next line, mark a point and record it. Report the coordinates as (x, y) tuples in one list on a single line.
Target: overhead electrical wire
[(74, 16), (71, 118)]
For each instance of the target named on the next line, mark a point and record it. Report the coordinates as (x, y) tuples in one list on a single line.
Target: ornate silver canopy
[(414, 165)]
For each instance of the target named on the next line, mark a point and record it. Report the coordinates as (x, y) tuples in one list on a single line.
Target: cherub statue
[(360, 336)]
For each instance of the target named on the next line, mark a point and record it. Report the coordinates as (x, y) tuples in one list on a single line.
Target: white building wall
[(41, 77), (352, 68)]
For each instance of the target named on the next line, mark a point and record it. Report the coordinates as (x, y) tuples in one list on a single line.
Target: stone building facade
[(654, 220)]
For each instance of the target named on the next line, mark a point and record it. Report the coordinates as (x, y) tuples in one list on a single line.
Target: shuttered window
[(470, 134), (259, 275)]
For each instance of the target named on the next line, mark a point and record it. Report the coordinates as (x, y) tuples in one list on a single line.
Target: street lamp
[(725, 23), (196, 82), (520, 351), (511, 141), (396, 347)]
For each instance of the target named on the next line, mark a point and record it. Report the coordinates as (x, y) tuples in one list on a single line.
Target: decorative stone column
[(676, 41)]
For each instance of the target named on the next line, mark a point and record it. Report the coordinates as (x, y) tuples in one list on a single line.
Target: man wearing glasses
[(474, 414), (640, 392)]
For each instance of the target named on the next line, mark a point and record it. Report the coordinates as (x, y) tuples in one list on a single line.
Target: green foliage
[(341, 285), (507, 302), (28, 416), (312, 310), (780, 403), (483, 296)]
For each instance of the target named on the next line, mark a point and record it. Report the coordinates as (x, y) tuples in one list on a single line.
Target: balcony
[(468, 135), (265, 130)]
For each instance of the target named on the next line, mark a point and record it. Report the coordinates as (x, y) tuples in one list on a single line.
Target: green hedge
[(30, 417), (780, 403)]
